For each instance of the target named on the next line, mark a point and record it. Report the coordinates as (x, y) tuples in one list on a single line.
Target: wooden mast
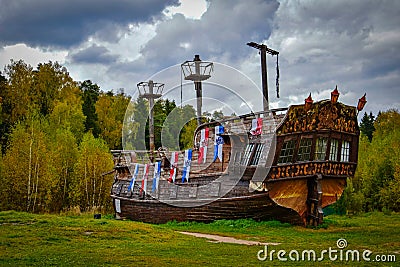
[(263, 51), (146, 90)]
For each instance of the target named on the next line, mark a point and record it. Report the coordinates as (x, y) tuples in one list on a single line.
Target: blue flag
[(134, 175), (218, 142), (156, 177), (186, 165)]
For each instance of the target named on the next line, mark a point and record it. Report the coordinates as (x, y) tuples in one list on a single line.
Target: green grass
[(50, 240)]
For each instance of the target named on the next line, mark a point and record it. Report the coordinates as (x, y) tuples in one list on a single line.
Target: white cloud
[(191, 9), (32, 56)]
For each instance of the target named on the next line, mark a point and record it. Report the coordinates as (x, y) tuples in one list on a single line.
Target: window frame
[(345, 151), (320, 151), (308, 146), (284, 149), (333, 149)]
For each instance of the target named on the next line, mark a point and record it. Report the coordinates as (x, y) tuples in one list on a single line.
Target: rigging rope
[(277, 76)]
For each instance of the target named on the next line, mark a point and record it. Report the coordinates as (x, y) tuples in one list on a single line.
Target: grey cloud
[(49, 23), (322, 43), (220, 36), (94, 55), (222, 32), (350, 43)]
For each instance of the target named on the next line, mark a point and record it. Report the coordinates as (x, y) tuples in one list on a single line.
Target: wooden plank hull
[(258, 206)]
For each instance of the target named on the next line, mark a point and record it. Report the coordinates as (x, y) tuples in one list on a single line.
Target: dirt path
[(226, 239)]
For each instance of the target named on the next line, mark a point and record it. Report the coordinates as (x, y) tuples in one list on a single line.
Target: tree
[(89, 188), (27, 178), (90, 94), (218, 115), (69, 117), (367, 125), (376, 181), (63, 157), (140, 118), (110, 110), (3, 126), (16, 94), (186, 136)]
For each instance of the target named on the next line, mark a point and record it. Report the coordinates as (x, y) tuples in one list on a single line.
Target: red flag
[(203, 145), (256, 126), (174, 163)]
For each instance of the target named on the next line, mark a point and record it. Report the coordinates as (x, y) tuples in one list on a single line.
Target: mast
[(197, 71), (263, 52), (146, 90)]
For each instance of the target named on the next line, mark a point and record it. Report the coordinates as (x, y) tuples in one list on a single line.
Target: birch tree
[(27, 179), (89, 188)]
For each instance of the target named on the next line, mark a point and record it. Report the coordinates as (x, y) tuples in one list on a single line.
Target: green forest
[(376, 184), (56, 135)]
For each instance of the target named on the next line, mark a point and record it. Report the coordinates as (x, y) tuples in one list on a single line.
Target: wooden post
[(263, 52)]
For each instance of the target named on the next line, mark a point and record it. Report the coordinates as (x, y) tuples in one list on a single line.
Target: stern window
[(286, 152), (304, 149), (334, 150), (320, 148), (345, 151)]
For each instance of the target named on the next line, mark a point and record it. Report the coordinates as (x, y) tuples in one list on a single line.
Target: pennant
[(203, 145), (219, 129), (134, 176), (144, 180), (218, 142), (256, 126), (186, 165), (156, 177), (174, 164)]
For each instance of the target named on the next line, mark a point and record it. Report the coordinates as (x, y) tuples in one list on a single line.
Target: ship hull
[(257, 206)]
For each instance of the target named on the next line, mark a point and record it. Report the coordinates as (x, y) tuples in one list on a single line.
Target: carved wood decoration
[(312, 168), (323, 115)]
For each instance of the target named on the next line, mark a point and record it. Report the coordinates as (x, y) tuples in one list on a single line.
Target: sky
[(117, 44)]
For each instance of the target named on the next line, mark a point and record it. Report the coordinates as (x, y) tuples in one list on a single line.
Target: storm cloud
[(66, 23), (352, 44)]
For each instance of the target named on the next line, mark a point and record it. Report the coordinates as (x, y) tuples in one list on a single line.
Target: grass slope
[(50, 240)]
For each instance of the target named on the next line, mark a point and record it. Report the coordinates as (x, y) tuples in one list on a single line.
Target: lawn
[(51, 240)]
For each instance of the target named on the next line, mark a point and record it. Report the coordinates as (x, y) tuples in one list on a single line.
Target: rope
[(277, 76)]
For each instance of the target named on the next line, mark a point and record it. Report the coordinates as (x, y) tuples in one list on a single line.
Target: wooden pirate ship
[(285, 164)]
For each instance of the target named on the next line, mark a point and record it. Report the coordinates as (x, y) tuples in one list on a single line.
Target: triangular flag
[(203, 145), (219, 129), (174, 164), (144, 180), (186, 165), (218, 142), (134, 176), (156, 177)]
